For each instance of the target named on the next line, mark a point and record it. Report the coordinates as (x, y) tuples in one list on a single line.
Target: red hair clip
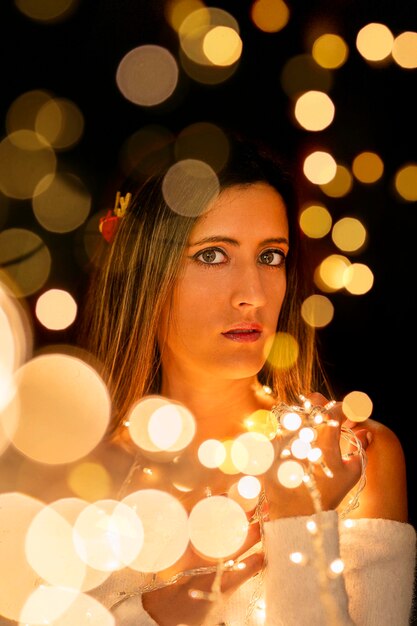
[(109, 224)]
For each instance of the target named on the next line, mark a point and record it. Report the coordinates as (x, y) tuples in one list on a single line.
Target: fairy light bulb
[(290, 474), (307, 434), (291, 421), (300, 449), (336, 567), (314, 455), (297, 557)]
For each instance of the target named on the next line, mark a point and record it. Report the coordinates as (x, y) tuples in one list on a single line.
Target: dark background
[(370, 344)]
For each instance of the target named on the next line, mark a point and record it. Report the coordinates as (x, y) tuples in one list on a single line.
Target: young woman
[(200, 275)]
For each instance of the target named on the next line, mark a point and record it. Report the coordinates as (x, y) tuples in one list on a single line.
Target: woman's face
[(229, 295)]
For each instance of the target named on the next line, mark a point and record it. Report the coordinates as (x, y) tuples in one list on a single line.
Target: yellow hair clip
[(109, 224)]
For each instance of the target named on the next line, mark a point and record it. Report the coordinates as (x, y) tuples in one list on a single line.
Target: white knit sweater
[(375, 588)]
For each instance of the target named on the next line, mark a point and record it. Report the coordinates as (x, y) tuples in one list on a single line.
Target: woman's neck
[(219, 406)]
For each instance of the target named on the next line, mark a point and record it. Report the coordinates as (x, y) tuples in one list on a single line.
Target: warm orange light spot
[(319, 167), (340, 185), (357, 406), (314, 110), (63, 407), (368, 167), (406, 182), (270, 16), (330, 51), (315, 221), (404, 50), (349, 234), (317, 311), (374, 41), (56, 309)]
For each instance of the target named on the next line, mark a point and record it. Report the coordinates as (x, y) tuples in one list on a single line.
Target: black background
[(370, 344)]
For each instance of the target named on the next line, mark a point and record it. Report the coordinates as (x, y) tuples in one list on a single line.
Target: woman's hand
[(288, 502), (172, 605)]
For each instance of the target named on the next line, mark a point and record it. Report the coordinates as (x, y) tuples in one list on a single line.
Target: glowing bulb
[(291, 421), (297, 557), (337, 566), (314, 455)]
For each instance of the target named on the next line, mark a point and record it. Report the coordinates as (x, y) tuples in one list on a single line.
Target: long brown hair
[(127, 291)]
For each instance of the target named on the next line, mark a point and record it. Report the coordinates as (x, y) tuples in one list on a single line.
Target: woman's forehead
[(239, 208)]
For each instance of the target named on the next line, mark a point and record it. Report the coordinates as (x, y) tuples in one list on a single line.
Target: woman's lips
[(242, 335)]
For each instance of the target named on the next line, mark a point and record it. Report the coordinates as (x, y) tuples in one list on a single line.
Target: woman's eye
[(272, 257), (211, 256)]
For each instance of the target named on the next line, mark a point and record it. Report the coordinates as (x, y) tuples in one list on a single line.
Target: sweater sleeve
[(376, 587)]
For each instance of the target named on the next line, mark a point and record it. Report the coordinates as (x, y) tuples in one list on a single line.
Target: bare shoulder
[(385, 494)]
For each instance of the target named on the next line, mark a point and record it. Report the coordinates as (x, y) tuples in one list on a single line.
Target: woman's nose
[(248, 289)]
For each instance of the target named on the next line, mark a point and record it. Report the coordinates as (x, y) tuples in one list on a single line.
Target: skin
[(240, 277)]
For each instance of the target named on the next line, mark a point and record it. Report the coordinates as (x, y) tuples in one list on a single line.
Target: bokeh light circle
[(61, 202), (108, 535), (56, 309), (25, 159), (357, 406), (25, 259), (63, 407), (165, 525), (218, 527), (147, 75), (189, 186)]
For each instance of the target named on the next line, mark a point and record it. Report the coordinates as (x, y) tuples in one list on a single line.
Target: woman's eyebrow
[(235, 242)]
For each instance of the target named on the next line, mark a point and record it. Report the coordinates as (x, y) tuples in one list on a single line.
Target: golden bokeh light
[(281, 350), (61, 202), (189, 186), (319, 167), (218, 527), (332, 272), (56, 309), (138, 420), (374, 42), (263, 422), (317, 311), (147, 151), (367, 167), (228, 466), (198, 24), (147, 75), (160, 428), (47, 11), (193, 33), (211, 453), (64, 607), (25, 259), (270, 16), (314, 110), (177, 10), (406, 182), (357, 406), (60, 122), (249, 487), (165, 526), (330, 51), (252, 453), (171, 427), (358, 279), (18, 579), (50, 550), (203, 141), (290, 474), (25, 159), (222, 46), (23, 111), (63, 407), (16, 345), (301, 73), (108, 535), (315, 221), (349, 234), (61, 536), (90, 481), (340, 185), (247, 503), (404, 50)]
